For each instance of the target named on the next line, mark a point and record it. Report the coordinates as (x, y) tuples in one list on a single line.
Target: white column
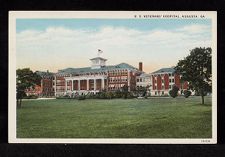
[(72, 85), (128, 80), (55, 85), (87, 84), (66, 85), (94, 84), (78, 84), (42, 89), (103, 83)]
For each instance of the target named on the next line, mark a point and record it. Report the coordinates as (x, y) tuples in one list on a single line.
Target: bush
[(174, 92), (187, 93), (102, 95), (124, 95), (81, 97), (63, 97), (118, 94), (109, 95), (31, 97), (90, 96), (130, 95)]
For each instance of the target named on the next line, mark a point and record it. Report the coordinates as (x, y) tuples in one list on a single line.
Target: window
[(170, 87), (162, 92), (155, 93), (169, 74), (170, 80), (137, 80)]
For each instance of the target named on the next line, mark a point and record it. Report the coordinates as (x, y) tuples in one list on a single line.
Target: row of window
[(118, 80), (170, 81), (139, 80), (118, 72), (48, 89), (60, 84), (60, 81), (142, 79), (114, 88), (47, 84), (163, 87), (164, 75), (158, 93), (60, 88)]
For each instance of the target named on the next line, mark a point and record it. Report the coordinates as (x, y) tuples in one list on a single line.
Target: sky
[(53, 44)]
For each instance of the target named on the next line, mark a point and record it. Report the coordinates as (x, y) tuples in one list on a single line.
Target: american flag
[(99, 52)]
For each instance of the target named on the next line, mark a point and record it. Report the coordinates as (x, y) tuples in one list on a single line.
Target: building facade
[(163, 81), (47, 84), (96, 78), (36, 90), (143, 80), (101, 77)]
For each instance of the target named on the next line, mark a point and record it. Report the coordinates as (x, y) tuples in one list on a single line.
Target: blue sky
[(140, 24), (60, 43)]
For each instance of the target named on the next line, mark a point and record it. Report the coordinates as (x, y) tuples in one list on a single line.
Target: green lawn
[(116, 118)]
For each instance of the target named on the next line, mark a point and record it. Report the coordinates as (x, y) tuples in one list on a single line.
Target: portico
[(85, 84)]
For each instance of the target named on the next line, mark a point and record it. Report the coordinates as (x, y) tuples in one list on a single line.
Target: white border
[(13, 15)]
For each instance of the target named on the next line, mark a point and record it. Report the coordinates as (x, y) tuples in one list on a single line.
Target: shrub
[(109, 95), (118, 94), (130, 95), (174, 91), (102, 95), (124, 95), (187, 93), (31, 97), (81, 97), (64, 97)]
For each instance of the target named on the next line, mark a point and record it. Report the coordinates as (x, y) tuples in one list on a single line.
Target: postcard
[(131, 77)]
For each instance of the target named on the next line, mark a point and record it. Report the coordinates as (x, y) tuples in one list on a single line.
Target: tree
[(125, 91), (196, 68), (187, 93), (142, 91), (25, 78), (174, 92)]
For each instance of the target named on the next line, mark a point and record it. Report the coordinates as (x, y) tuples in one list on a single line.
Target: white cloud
[(65, 47), (195, 28)]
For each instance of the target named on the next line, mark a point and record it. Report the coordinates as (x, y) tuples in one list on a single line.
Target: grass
[(116, 118)]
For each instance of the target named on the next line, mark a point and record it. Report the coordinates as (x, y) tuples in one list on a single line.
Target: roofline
[(99, 58)]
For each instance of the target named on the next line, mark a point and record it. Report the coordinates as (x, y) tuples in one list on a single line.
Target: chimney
[(140, 66)]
